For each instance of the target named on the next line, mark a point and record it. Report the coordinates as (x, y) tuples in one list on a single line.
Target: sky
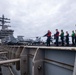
[(31, 18)]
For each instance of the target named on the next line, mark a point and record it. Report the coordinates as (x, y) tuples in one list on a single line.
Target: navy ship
[(34, 60)]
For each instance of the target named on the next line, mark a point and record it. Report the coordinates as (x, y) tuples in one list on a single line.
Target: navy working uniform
[(73, 38), (48, 37), (67, 38), (62, 37), (57, 37)]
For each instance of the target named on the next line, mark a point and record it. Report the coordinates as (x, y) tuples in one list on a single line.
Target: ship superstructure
[(4, 32), (34, 60)]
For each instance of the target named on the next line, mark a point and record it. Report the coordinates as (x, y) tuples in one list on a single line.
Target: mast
[(4, 32), (3, 21)]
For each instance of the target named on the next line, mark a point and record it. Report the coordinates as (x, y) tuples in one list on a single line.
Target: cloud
[(34, 17)]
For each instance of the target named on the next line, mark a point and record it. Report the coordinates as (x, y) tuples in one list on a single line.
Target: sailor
[(67, 38), (48, 34), (62, 37), (57, 37), (73, 37)]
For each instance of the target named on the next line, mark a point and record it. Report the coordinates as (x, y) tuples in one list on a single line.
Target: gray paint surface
[(51, 69), (67, 57), (30, 66), (54, 62), (16, 72)]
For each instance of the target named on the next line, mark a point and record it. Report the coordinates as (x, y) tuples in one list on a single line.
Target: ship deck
[(38, 60)]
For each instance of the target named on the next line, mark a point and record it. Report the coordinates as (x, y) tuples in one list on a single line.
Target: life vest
[(49, 34), (57, 34)]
